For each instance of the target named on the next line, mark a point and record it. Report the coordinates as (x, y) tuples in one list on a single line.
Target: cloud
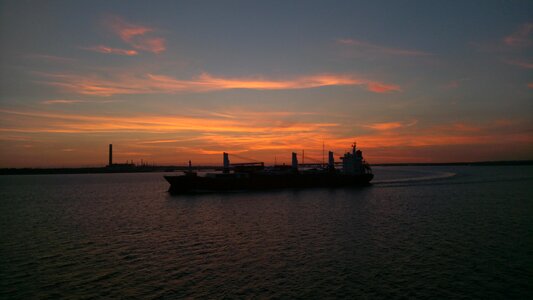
[(453, 84), (155, 45), (530, 85), (520, 63), (385, 126), (109, 50), (194, 135), (68, 101), (366, 46), (51, 58), (137, 36), (490, 132), (160, 141), (465, 127), (61, 101), (521, 37), (378, 87), (514, 43), (202, 137), (153, 84), (59, 122)]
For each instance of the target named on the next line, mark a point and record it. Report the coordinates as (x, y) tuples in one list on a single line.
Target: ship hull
[(188, 184)]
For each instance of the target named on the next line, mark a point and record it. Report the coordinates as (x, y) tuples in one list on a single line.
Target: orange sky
[(81, 139), (182, 81)]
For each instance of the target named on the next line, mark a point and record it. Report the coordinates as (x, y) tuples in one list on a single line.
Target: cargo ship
[(355, 171)]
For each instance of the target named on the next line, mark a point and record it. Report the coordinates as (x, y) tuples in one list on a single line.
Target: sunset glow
[(153, 83), (189, 81)]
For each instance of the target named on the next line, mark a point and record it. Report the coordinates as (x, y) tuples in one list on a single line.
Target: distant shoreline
[(476, 163), (146, 169)]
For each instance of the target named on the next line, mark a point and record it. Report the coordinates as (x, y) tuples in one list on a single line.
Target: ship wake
[(424, 176)]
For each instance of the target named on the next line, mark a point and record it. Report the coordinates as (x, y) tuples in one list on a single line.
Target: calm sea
[(417, 232)]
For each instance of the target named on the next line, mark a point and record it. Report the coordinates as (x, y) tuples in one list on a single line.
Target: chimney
[(110, 154), (226, 163)]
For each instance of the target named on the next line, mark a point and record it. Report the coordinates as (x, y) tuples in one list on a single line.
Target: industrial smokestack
[(226, 163), (110, 154)]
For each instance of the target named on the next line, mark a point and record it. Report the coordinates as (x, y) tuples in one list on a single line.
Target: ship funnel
[(226, 163), (331, 161), (294, 162)]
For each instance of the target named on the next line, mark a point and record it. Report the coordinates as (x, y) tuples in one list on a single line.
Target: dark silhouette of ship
[(255, 176)]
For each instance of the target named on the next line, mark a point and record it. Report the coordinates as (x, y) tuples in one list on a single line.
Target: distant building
[(118, 167)]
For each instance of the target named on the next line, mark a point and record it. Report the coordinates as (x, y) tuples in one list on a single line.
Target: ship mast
[(322, 153)]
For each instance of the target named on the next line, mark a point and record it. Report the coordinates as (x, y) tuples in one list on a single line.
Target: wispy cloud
[(378, 87), (152, 83), (59, 122), (459, 127), (390, 125), (520, 63), (51, 58), (70, 101), (160, 141), (521, 37), (109, 50), (456, 133), (191, 135), (61, 101), (513, 49), (201, 138), (138, 36), (453, 84), (367, 46), (385, 126), (465, 127)]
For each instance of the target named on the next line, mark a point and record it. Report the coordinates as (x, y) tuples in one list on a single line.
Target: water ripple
[(432, 232)]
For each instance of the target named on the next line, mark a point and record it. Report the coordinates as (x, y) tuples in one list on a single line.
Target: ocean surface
[(417, 232)]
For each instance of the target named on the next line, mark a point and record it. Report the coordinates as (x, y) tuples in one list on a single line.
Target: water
[(418, 232)]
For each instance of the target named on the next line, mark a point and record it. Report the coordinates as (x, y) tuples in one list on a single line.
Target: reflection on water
[(416, 232)]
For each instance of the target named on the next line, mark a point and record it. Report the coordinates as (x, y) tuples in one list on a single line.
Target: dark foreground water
[(424, 232)]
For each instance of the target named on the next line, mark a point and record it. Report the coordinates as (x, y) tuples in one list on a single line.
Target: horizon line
[(155, 165)]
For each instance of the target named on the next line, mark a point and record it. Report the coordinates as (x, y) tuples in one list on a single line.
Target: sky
[(170, 81)]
